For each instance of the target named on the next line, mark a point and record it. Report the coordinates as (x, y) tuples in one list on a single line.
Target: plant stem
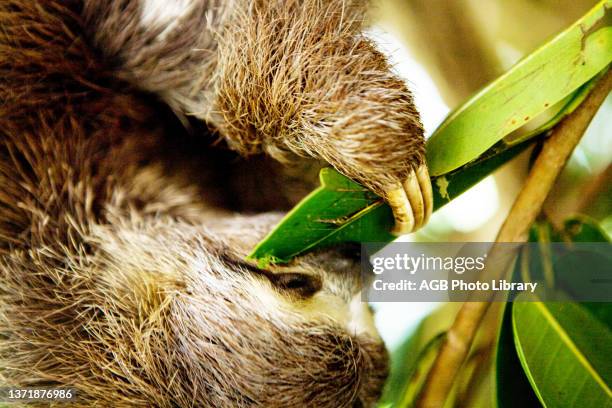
[(553, 157)]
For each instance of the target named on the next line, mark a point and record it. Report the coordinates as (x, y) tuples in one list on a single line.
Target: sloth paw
[(412, 202)]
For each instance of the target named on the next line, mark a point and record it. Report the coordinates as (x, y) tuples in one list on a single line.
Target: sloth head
[(167, 314), (222, 331)]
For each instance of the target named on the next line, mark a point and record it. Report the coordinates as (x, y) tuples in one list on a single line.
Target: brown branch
[(555, 153)]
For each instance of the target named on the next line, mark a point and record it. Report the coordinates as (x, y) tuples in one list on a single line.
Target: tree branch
[(553, 157)]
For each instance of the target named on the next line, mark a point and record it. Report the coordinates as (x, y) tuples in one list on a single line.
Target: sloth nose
[(300, 284)]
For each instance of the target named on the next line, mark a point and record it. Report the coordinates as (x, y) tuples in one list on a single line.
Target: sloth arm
[(283, 77)]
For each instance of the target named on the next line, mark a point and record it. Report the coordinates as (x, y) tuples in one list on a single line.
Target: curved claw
[(402, 211), (412, 203), (415, 196), (426, 190)]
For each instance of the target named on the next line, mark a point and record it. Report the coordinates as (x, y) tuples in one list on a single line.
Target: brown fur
[(281, 76), (121, 266)]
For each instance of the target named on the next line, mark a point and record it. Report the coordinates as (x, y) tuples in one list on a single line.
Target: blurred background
[(448, 49)]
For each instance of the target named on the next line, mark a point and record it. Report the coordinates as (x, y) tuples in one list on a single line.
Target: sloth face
[(195, 322)]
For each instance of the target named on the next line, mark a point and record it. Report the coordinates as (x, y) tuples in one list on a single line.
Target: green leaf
[(570, 273), (584, 229), (334, 210), (556, 113), (565, 353), (528, 89), (512, 386), (341, 210), (602, 311)]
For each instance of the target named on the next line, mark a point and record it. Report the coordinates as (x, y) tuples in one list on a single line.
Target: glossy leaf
[(536, 83), (511, 384), (341, 210), (565, 352), (331, 210)]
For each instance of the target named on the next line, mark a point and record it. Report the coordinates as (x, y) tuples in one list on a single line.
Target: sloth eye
[(298, 283)]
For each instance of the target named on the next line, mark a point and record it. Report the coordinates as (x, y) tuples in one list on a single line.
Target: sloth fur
[(126, 210)]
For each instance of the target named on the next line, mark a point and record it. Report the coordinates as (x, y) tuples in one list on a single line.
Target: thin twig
[(555, 153)]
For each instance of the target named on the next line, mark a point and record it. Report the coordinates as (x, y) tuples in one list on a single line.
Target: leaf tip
[(264, 262)]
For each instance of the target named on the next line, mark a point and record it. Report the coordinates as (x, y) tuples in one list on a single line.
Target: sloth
[(145, 147)]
